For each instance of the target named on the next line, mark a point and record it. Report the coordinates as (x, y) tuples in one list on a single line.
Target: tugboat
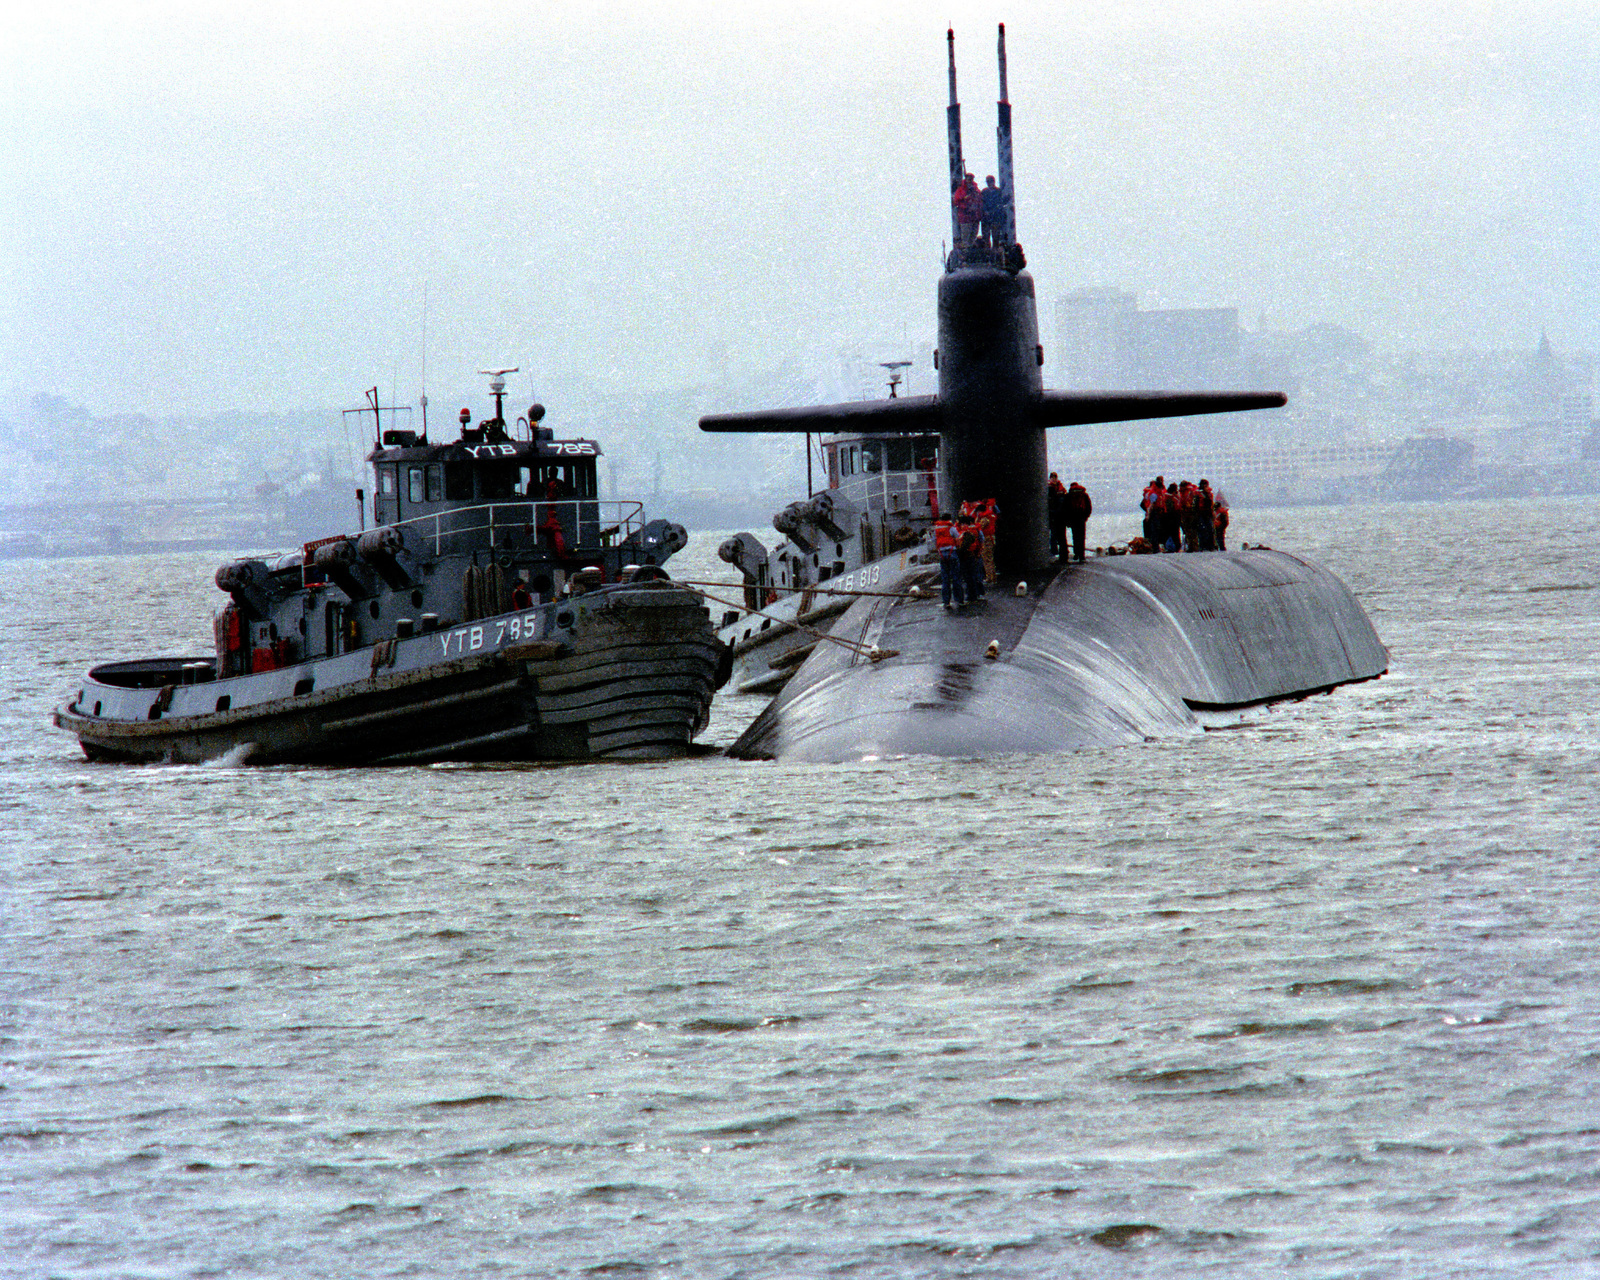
[(497, 610), (1052, 658), (866, 528)]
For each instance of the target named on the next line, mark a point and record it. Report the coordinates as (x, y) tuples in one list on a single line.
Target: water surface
[(1313, 993)]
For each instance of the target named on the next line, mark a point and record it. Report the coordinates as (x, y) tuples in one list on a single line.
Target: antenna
[(895, 375), (958, 167), (1003, 147), (375, 409), (424, 361)]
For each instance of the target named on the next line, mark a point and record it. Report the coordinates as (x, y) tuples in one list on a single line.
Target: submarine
[(1112, 651)]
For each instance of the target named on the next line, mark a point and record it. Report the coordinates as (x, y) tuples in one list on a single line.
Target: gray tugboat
[(865, 529), (1054, 658), (497, 610)]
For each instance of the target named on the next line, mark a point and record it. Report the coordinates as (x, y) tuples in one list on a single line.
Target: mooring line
[(915, 593), (870, 652)]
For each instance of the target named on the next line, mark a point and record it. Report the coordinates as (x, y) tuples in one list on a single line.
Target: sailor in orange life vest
[(1056, 500), (988, 519), (969, 543), (982, 514), (944, 541), (968, 201), (555, 537)]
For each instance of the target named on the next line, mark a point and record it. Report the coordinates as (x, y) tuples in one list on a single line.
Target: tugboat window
[(386, 481), (435, 484), (872, 456), (415, 492), (901, 456), (457, 482), (560, 482), (498, 482)]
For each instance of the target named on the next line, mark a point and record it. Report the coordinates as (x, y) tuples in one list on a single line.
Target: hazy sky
[(243, 205)]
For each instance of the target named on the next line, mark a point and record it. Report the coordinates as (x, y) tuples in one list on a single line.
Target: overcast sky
[(244, 205)]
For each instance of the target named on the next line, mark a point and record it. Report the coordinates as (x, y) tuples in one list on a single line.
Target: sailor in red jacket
[(1079, 508), (969, 541), (1056, 507), (1166, 511), (1205, 518), (1149, 503), (968, 201), (987, 520), (1188, 515), (949, 549)]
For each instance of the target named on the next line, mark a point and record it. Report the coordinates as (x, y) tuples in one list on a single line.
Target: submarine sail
[(991, 409)]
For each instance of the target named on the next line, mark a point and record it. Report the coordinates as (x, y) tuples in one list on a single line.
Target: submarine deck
[(1112, 651)]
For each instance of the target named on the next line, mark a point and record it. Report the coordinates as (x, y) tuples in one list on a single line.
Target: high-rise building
[(1105, 342)]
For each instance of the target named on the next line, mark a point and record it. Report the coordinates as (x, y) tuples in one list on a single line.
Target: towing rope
[(915, 593), (871, 652)]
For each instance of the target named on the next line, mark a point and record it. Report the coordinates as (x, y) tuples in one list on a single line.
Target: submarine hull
[(1116, 651)]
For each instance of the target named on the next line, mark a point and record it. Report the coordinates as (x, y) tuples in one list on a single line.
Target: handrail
[(586, 523), (912, 486)]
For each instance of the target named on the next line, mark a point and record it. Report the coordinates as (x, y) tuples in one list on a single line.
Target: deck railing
[(586, 524), (891, 491)]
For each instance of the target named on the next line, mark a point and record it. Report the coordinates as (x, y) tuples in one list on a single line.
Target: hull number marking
[(490, 634), (867, 576)]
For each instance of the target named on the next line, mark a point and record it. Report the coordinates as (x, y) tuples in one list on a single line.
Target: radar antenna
[(497, 388), (896, 377)]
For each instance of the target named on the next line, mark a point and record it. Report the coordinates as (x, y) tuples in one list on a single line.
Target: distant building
[(1542, 383), (1552, 400), (1105, 343), (1091, 333)]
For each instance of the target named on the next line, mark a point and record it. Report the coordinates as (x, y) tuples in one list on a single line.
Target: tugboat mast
[(375, 409), (497, 388)]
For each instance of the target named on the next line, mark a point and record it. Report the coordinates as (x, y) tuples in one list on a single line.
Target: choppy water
[(1314, 995)]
